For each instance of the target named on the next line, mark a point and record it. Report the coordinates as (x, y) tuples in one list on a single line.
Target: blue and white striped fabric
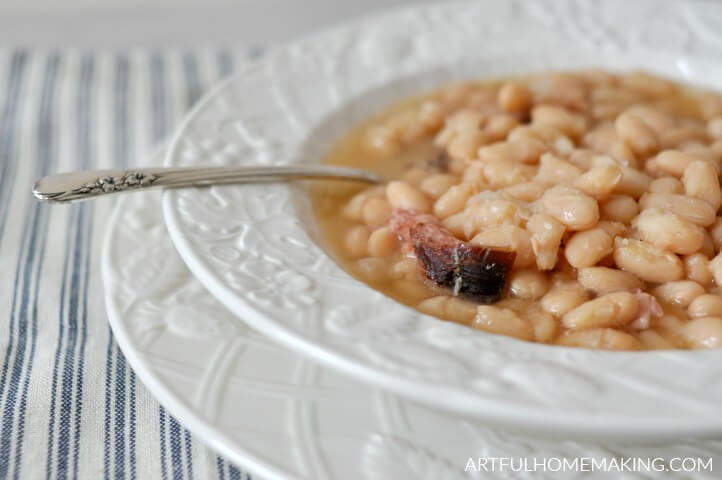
[(70, 407)]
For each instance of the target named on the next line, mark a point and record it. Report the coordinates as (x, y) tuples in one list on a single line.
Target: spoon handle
[(84, 185)]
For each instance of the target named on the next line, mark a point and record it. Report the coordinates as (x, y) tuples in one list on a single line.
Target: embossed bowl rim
[(560, 423)]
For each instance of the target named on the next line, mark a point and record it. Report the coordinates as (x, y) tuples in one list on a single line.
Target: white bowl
[(253, 248)]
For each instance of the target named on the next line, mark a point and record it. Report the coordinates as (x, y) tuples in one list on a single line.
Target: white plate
[(252, 246), (279, 415)]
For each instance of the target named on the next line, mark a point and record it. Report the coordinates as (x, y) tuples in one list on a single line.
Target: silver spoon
[(84, 185)]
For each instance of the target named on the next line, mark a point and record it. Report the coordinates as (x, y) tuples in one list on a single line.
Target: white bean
[(705, 332), (700, 181), (449, 308), (619, 208), (587, 247), (669, 231), (564, 298), (610, 310), (571, 206), (603, 280), (502, 321), (529, 284), (599, 182), (707, 305), (693, 209), (680, 292), (546, 236), (404, 196), (649, 263), (640, 137), (600, 338)]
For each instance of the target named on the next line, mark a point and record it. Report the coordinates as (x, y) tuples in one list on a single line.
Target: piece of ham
[(648, 307), (471, 271)]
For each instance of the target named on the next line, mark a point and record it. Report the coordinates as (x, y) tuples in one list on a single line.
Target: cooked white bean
[(707, 305), (704, 332), (674, 137), (647, 85), (382, 242), (527, 191), (715, 232), (655, 119), (666, 185), (453, 201), (675, 162), (669, 231), (356, 241), (600, 181), (372, 269), (449, 308), (715, 266), (545, 325), (436, 185), (464, 145), (376, 212), (553, 169), (514, 97), (571, 206), (406, 268), (526, 144), (600, 338), (680, 292), (614, 229), (693, 209), (502, 321), (499, 126), (697, 268), (700, 181), (714, 127), (638, 135), (460, 123), (652, 340), (354, 208), (603, 280), (529, 284), (564, 298), (414, 176), (587, 247), (646, 261), (570, 123), (671, 326), (404, 196), (633, 183), (431, 116), (708, 245), (619, 208), (610, 310), (623, 154), (546, 236), (500, 174), (516, 151)]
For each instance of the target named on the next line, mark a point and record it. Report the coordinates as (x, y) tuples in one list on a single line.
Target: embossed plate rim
[(448, 398), (175, 403)]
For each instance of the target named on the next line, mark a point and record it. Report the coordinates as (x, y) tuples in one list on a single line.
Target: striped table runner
[(70, 407)]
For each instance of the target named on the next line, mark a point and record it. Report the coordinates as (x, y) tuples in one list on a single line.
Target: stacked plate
[(289, 367)]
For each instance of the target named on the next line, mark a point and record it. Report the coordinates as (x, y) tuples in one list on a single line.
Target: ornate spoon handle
[(84, 185)]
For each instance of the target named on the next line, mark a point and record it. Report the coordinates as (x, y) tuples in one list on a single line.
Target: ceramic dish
[(277, 414), (254, 249)]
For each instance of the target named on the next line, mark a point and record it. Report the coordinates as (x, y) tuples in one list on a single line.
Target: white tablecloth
[(70, 406)]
